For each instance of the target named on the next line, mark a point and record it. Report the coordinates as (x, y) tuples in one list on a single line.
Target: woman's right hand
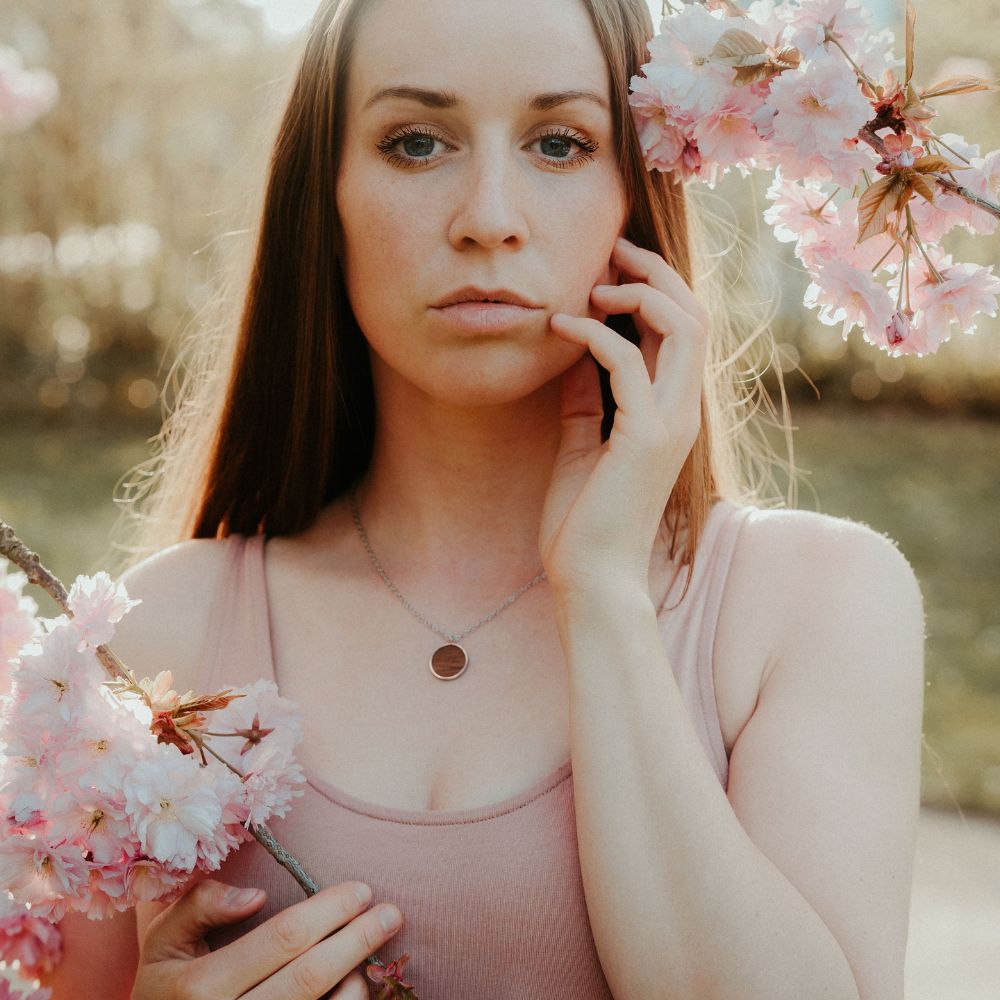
[(301, 953)]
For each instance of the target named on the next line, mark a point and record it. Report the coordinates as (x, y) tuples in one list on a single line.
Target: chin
[(494, 374)]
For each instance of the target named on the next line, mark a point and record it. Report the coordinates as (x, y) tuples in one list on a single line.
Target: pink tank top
[(492, 897)]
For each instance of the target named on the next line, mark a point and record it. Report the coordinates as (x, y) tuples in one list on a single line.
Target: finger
[(264, 949), (354, 987), (623, 360), (653, 269), (659, 313), (181, 928), (321, 968), (676, 363)]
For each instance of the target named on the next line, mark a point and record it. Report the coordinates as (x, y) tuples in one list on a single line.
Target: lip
[(486, 317), (473, 293)]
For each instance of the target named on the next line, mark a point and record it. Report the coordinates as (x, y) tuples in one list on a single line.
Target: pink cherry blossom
[(172, 808), (837, 165), (819, 107), (848, 295), (768, 21), (148, 879), (810, 19), (725, 134), (902, 335), (94, 813), (17, 612), (795, 210), (938, 218), (839, 240), (269, 766), (682, 56), (57, 676), (661, 133), (41, 874), (159, 691), (900, 152), (874, 53), (983, 179), (31, 940), (93, 822), (98, 603), (967, 291)]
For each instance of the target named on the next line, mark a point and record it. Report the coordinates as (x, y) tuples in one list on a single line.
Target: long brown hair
[(296, 424)]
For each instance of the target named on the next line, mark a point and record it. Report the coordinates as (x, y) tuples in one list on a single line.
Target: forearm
[(681, 901)]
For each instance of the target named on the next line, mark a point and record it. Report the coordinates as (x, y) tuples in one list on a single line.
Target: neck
[(456, 492)]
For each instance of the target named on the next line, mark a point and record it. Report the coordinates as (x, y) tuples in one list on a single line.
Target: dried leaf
[(933, 164), (739, 48), (877, 202), (746, 75), (958, 85), (788, 57), (922, 188), (914, 108), (911, 17)]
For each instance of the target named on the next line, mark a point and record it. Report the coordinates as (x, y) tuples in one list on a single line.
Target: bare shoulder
[(822, 567), (800, 578), (834, 612), (167, 631)]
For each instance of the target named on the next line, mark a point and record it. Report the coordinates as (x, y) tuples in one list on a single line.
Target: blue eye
[(561, 143), (418, 143)]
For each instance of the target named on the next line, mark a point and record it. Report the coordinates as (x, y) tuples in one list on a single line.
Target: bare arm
[(99, 958), (796, 883)]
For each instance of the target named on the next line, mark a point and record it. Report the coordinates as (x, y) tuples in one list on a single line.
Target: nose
[(489, 210)]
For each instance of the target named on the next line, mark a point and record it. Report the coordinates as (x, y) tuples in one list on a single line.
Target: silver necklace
[(450, 660)]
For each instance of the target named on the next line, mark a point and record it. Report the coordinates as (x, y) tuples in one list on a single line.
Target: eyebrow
[(448, 99)]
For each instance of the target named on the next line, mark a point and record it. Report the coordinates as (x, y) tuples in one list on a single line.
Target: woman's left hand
[(606, 500)]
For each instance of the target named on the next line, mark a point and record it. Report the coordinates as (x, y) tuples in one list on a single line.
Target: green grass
[(928, 482)]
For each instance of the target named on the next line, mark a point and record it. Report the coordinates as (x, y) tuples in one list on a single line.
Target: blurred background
[(134, 137)]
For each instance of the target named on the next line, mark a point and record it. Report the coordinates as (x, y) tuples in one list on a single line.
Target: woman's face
[(493, 178)]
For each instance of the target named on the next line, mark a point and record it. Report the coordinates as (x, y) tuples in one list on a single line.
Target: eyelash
[(386, 147)]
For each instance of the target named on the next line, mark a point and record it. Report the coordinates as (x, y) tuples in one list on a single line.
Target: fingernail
[(390, 918), (241, 897), (363, 892)]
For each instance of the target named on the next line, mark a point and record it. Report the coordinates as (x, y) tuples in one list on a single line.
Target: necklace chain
[(451, 637)]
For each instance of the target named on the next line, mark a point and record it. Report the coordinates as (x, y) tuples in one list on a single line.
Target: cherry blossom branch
[(18, 553), (27, 560), (867, 134)]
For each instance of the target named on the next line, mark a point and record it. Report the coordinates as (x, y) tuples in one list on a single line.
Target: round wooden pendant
[(449, 662)]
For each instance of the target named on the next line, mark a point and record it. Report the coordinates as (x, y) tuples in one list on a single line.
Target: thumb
[(179, 931)]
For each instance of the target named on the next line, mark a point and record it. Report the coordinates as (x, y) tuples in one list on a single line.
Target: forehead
[(489, 52)]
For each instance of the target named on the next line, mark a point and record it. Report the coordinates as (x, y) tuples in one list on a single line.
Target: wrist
[(610, 596)]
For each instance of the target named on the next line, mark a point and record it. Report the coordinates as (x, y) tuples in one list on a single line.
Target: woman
[(684, 762)]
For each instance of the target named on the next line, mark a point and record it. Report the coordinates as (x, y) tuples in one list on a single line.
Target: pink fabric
[(492, 897)]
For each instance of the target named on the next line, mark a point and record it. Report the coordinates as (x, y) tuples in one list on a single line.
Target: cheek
[(374, 229), (587, 229), (381, 240)]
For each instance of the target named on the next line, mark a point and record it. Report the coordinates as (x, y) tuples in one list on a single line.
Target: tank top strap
[(237, 644), (689, 629)]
